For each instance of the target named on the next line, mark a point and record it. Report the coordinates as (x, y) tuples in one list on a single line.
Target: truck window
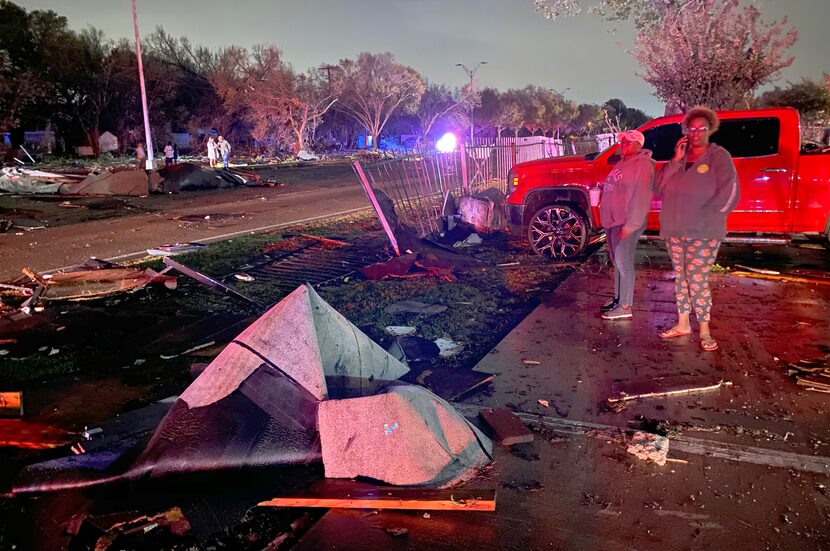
[(661, 140), (749, 137)]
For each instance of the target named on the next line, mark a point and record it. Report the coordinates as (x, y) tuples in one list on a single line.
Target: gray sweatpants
[(622, 256)]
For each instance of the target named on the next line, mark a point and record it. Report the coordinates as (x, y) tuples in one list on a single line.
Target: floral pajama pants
[(692, 260)]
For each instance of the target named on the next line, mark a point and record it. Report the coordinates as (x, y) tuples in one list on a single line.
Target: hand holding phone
[(680, 148)]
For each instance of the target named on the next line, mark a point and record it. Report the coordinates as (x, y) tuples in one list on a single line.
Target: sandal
[(708, 344), (673, 332)]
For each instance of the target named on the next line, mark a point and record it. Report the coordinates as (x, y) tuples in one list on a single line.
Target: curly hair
[(701, 112)]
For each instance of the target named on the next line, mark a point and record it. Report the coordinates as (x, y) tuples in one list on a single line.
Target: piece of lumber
[(11, 404), (813, 382), (506, 427), (792, 279), (348, 494), (662, 389), (209, 281)]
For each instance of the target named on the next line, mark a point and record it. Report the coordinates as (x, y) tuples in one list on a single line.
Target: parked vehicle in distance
[(785, 188)]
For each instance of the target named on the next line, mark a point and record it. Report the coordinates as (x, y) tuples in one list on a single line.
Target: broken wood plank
[(813, 382), (346, 494), (11, 404), (506, 427), (209, 281), (661, 389), (792, 279)]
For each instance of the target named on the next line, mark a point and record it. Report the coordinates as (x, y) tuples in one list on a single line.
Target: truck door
[(765, 166)]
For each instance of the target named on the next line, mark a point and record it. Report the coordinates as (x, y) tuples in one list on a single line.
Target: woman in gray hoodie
[(626, 197), (699, 188)]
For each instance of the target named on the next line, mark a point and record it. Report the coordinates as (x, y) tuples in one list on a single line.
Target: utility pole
[(328, 69), (148, 138), (471, 73)]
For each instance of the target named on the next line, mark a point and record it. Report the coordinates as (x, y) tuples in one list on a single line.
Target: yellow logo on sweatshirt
[(703, 169)]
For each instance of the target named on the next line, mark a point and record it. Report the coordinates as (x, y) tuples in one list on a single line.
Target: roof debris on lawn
[(300, 368), (92, 280), (812, 374)]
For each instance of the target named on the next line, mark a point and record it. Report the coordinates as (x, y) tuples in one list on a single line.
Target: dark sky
[(520, 46)]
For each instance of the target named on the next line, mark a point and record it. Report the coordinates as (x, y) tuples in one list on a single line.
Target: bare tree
[(286, 106), (713, 52), (374, 87)]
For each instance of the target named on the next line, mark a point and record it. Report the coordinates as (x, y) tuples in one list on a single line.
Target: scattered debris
[(242, 276), (530, 362), (543, 403), (397, 266), (209, 281), (11, 404), (178, 248), (758, 270), (68, 205), (415, 307), (450, 383), (662, 388), (649, 447), (472, 240), (400, 330), (347, 494), (448, 347), (812, 374), (18, 433), (783, 277), (412, 350), (506, 427)]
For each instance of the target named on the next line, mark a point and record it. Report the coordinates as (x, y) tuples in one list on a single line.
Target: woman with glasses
[(699, 188)]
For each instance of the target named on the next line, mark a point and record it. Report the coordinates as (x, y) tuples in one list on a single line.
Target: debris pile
[(300, 385), (92, 280), (812, 374)]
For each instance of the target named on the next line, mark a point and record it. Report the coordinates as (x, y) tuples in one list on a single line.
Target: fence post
[(513, 154), (464, 182), (374, 200)]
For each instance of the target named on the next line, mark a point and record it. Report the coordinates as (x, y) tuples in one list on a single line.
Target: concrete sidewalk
[(752, 460)]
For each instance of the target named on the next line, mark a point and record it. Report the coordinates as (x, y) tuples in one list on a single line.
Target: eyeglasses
[(692, 129)]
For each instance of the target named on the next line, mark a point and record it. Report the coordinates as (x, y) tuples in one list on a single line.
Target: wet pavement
[(584, 491)]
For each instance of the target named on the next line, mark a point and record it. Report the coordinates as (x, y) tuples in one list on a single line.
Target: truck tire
[(558, 231)]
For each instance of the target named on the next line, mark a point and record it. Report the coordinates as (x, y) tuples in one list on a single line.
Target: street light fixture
[(471, 73)]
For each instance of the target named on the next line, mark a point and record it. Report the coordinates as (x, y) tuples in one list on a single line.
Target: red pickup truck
[(785, 189)]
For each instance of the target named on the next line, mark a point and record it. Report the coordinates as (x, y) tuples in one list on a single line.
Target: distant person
[(224, 151), (168, 154), (626, 198), (699, 188), (175, 153), (212, 152), (140, 155)]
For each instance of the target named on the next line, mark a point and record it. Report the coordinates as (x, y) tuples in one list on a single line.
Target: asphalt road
[(191, 216)]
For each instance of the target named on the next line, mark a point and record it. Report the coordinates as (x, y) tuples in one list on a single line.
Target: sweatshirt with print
[(626, 193), (697, 199)]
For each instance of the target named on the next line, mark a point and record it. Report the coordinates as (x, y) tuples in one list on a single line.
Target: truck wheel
[(557, 231)]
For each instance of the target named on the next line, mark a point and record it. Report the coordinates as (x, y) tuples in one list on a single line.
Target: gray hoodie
[(696, 201), (626, 193)]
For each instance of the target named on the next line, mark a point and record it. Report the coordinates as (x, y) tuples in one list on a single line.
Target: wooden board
[(347, 494), (663, 387), (506, 427)]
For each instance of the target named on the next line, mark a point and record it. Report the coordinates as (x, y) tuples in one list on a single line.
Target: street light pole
[(471, 73), (148, 138)]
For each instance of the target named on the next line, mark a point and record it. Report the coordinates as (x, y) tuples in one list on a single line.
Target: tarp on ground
[(192, 176), (133, 182), (405, 436), (314, 345), (255, 405)]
